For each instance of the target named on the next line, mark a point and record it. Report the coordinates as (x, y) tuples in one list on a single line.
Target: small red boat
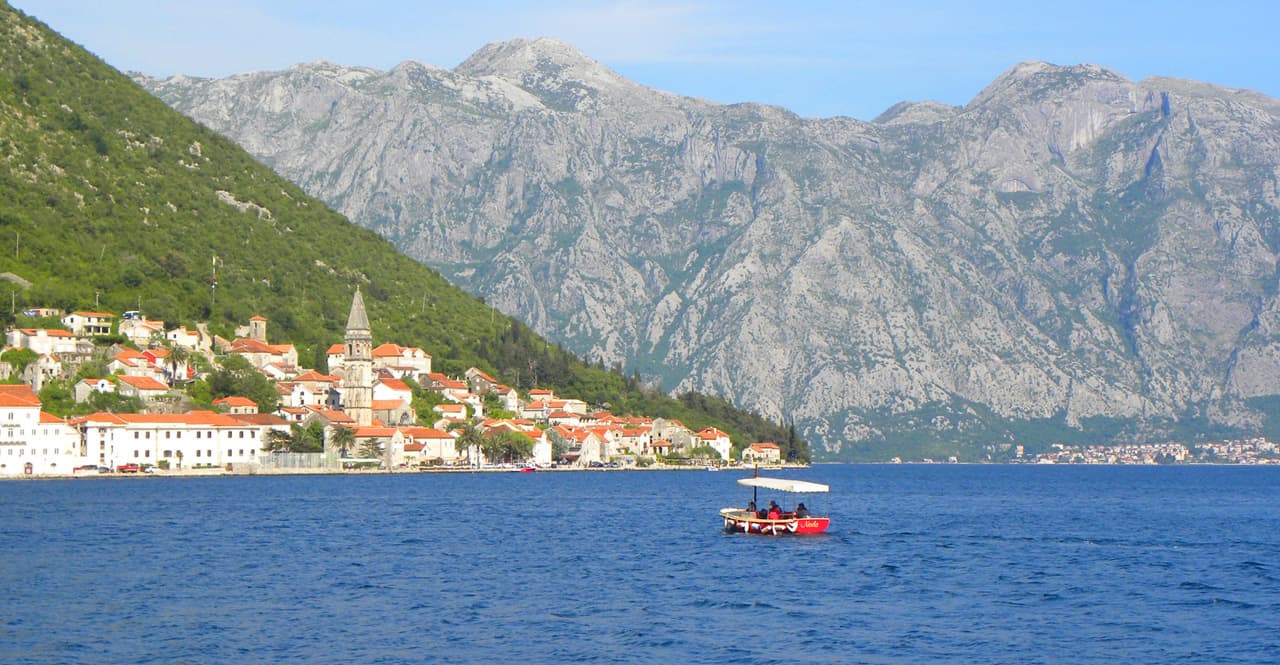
[(777, 520)]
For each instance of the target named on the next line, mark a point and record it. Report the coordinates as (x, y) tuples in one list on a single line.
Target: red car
[(128, 468)]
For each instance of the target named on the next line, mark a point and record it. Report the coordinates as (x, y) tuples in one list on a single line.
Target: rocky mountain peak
[(915, 113), (522, 59), (1031, 81)]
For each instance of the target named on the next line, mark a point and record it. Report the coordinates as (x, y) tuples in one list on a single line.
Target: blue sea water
[(956, 564)]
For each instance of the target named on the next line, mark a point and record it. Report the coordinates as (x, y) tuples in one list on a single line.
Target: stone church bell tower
[(357, 366)]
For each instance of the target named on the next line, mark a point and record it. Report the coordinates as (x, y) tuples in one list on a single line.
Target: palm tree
[(470, 437), (343, 439), (178, 357)]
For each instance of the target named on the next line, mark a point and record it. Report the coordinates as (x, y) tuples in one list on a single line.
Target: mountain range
[(1069, 256)]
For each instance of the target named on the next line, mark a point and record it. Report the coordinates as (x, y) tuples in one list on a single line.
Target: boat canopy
[(797, 486)]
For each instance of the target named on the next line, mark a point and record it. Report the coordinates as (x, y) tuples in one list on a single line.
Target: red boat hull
[(741, 522)]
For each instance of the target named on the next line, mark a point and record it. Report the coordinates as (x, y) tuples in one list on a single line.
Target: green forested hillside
[(108, 196)]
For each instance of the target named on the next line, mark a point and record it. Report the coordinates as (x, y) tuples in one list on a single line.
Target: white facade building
[(34, 443), (187, 440)]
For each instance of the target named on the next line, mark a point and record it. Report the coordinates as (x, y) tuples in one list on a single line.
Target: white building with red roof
[(718, 440), (430, 446), (89, 324), (260, 353), (765, 452), (409, 359), (508, 398), (190, 340), (236, 405), (183, 440), (540, 394), (141, 331), (86, 388), (32, 442), (42, 340), (142, 387)]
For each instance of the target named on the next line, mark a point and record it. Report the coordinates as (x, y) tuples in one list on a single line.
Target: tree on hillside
[(238, 377)]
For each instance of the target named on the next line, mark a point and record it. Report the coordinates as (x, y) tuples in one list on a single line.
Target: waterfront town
[(374, 407)]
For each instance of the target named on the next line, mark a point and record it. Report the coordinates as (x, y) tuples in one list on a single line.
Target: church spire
[(358, 320)]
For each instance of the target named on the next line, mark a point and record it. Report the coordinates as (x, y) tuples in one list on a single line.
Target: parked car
[(87, 467), (128, 468)]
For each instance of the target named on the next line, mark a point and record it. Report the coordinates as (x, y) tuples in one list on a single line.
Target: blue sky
[(815, 58)]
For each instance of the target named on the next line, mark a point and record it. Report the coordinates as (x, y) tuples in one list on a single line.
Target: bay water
[(955, 564)]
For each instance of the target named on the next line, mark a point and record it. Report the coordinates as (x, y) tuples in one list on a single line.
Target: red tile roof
[(18, 396), (235, 400), (142, 382), (49, 332), (397, 384)]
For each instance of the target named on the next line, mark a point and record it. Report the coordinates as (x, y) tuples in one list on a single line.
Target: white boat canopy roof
[(797, 486)]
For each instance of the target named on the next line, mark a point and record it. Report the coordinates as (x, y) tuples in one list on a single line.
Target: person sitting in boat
[(801, 511), (751, 507), (775, 513)]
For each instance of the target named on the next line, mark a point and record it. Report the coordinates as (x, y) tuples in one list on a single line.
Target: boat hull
[(741, 521)]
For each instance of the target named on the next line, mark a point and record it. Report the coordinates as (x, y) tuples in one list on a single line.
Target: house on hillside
[(176, 369), (403, 360), (508, 398), (319, 389), (479, 382), (141, 331), (89, 324), (236, 405), (86, 388), (144, 388), (134, 363), (43, 341), (190, 340), (43, 369), (260, 354)]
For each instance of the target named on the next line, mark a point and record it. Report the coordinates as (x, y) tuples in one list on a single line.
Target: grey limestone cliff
[(1069, 248)]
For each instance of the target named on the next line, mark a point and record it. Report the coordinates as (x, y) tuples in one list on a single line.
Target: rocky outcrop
[(1069, 247)]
